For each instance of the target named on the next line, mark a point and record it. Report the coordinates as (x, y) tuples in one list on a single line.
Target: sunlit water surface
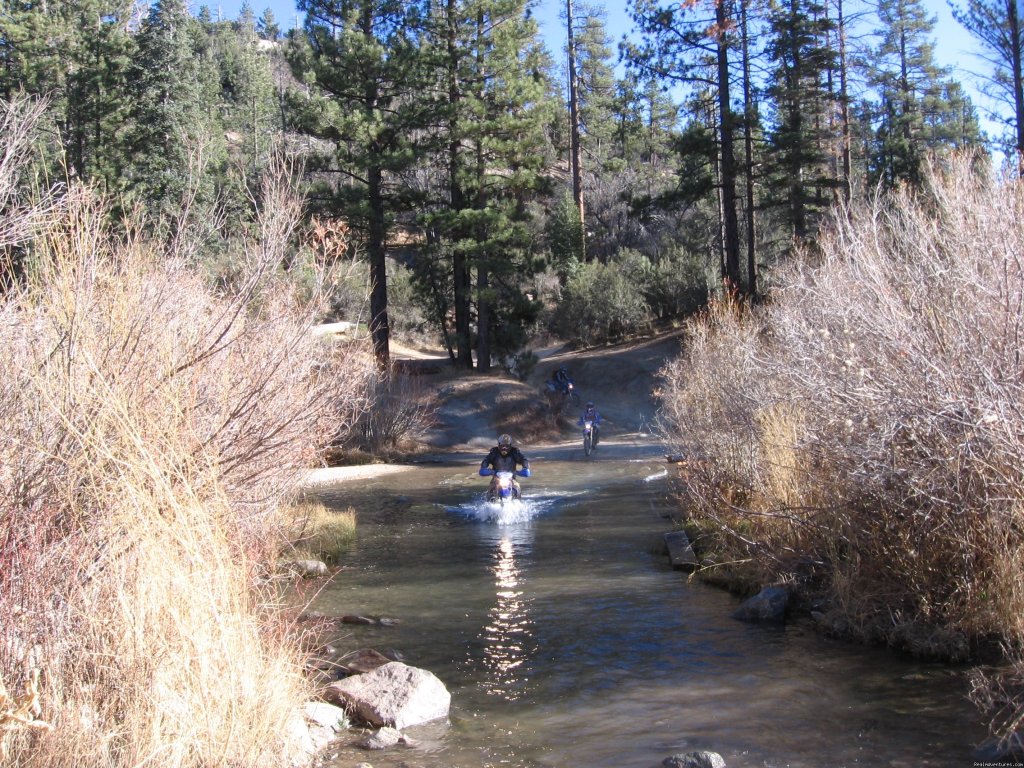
[(566, 639)]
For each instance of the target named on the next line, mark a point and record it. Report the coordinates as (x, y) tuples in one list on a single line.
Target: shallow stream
[(566, 639)]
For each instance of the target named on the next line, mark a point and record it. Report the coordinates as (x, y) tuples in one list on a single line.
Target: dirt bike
[(503, 489), (563, 396), (588, 436)]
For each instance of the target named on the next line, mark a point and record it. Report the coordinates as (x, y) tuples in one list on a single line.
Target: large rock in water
[(394, 695), (769, 604), (702, 759)]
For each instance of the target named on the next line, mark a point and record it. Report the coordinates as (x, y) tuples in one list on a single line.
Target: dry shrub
[(719, 411), (399, 413), (21, 217), (153, 428), (864, 432)]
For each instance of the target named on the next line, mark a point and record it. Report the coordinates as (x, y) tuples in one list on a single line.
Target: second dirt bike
[(588, 436), (562, 396)]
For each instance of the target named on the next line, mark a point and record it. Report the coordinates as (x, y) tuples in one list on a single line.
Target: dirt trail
[(472, 409)]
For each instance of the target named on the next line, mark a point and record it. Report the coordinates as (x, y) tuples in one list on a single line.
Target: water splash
[(512, 512), (656, 476)]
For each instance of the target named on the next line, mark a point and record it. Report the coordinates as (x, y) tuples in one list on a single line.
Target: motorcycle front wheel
[(588, 443)]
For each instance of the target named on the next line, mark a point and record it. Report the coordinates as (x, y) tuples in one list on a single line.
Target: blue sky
[(954, 46)]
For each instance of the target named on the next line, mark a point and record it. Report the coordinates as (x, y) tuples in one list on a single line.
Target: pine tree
[(246, 22), (597, 85), (510, 148), (694, 43), (98, 106), (801, 176), (76, 55), (245, 90), (33, 40), (267, 26), (173, 114), (494, 115), (911, 118), (997, 24), (949, 119), (363, 59), (626, 118)]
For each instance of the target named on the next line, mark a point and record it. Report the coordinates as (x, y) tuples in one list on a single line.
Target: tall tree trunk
[(463, 338), (749, 114), (844, 106), (1018, 77), (796, 123), (721, 204), (730, 222), (376, 232), (483, 309), (483, 320), (907, 104), (574, 129), (460, 267), (483, 306), (375, 247)]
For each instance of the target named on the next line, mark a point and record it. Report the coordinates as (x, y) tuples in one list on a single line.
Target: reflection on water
[(565, 638), (508, 640)]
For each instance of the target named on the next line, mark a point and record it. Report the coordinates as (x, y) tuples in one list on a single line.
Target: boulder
[(300, 737), (325, 715), (307, 569), (701, 759), (361, 661), (394, 695), (767, 605), (680, 553), (385, 738)]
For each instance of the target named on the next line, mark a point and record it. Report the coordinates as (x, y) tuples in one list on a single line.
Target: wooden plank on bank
[(680, 553)]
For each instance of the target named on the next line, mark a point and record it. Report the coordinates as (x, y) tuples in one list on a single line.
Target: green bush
[(600, 304)]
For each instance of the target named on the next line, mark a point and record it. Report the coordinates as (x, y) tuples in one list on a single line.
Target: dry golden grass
[(321, 532), (154, 429)]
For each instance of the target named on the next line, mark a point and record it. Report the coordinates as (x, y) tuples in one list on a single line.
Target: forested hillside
[(444, 163)]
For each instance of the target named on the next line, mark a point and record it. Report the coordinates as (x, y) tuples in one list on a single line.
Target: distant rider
[(561, 379), (590, 414), (505, 457)]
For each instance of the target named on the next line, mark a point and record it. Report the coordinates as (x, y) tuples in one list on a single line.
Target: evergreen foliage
[(996, 24), (172, 135), (491, 149), (918, 109), (694, 45), (365, 59), (437, 134), (601, 303), (801, 179)]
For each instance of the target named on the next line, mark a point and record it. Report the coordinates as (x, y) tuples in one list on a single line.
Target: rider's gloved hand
[(485, 471), (523, 472)]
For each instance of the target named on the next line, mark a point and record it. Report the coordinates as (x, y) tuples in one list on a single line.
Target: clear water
[(566, 639)]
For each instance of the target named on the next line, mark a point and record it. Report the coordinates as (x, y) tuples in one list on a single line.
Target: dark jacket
[(506, 463), (592, 415)]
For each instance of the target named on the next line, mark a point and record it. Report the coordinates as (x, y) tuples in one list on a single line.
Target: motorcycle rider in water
[(504, 457), (590, 414)]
